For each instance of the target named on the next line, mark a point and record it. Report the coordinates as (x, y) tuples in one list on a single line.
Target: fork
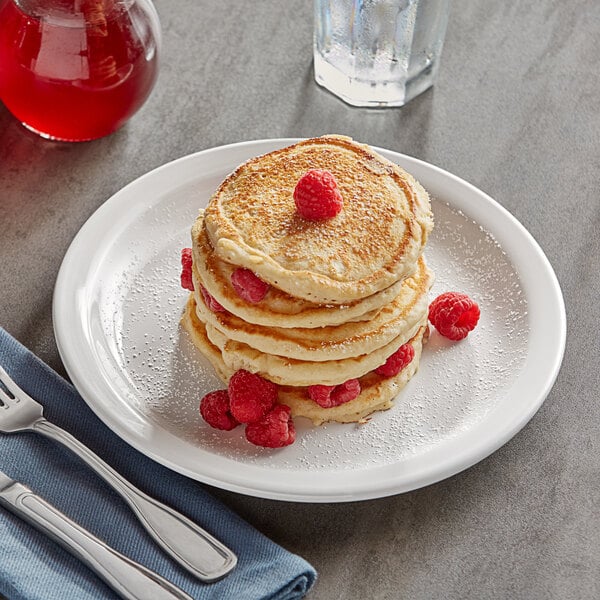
[(187, 543)]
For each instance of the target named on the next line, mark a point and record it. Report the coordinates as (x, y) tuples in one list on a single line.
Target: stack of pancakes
[(345, 293)]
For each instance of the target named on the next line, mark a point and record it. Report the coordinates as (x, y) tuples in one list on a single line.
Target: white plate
[(117, 304)]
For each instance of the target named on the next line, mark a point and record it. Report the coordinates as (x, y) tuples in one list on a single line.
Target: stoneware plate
[(116, 318)]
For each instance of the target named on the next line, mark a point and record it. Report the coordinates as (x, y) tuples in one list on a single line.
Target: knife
[(129, 579)]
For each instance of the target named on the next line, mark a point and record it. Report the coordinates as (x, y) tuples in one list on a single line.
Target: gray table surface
[(516, 111)]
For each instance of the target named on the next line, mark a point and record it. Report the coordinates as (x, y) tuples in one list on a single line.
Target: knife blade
[(5, 481)]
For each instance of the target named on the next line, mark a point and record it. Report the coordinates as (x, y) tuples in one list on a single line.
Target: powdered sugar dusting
[(161, 376)]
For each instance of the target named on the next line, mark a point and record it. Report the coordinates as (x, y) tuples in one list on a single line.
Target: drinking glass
[(378, 52)]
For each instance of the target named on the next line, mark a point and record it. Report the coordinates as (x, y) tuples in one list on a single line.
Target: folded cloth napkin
[(33, 567)]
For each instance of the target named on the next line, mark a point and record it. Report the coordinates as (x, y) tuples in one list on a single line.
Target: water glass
[(378, 52)]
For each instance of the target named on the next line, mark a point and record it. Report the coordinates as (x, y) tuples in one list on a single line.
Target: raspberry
[(250, 396), (214, 408), (328, 396), (210, 302), (454, 315), (248, 286), (275, 430), (349, 390), (397, 361), (317, 196), (321, 394), (187, 283)]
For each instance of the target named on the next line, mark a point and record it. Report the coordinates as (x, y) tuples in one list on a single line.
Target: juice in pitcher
[(76, 70)]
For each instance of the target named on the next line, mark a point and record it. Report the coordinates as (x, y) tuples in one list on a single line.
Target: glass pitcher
[(76, 70)]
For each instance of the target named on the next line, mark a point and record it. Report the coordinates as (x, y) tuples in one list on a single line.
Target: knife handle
[(129, 579), (190, 545)]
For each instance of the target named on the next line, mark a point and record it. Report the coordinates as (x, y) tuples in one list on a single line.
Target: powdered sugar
[(119, 302), (457, 384)]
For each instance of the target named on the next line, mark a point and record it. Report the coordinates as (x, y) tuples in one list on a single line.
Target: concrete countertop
[(516, 112)]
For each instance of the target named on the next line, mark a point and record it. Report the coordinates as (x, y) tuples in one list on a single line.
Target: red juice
[(78, 69)]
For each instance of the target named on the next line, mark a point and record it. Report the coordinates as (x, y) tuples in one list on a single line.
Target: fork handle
[(187, 543)]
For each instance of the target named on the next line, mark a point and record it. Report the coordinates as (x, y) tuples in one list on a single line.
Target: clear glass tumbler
[(378, 53)]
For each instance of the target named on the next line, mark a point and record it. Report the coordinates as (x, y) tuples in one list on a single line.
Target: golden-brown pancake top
[(375, 240)]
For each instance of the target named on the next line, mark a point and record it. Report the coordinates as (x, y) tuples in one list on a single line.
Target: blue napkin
[(33, 567)]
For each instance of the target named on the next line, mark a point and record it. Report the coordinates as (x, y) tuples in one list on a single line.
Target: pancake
[(277, 309), (375, 241), (288, 371), (399, 317), (377, 393)]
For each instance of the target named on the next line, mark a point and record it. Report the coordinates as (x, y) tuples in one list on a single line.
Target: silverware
[(128, 578), (190, 545)]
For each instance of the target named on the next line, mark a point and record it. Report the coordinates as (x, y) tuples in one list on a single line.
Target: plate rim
[(62, 320)]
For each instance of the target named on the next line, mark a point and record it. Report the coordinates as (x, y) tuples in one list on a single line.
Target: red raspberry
[(214, 408), (454, 315), (329, 396), (250, 396), (275, 430), (210, 302), (317, 196), (248, 286), (187, 283), (397, 361), (349, 390), (321, 394)]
